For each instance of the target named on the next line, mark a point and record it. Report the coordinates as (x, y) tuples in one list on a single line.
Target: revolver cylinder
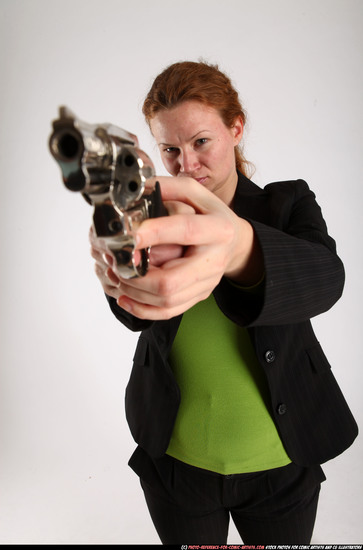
[(105, 164)]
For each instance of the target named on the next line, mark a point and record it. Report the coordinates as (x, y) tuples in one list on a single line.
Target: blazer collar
[(249, 200)]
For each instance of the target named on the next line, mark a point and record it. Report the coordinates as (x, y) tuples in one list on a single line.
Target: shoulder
[(278, 198), (289, 188), (291, 196)]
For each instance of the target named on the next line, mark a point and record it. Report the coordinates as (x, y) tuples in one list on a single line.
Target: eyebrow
[(190, 139)]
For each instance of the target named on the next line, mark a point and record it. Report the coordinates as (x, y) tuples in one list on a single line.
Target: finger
[(107, 276), (169, 301), (91, 234), (110, 287), (152, 313), (159, 255), (176, 281), (184, 230), (188, 191), (98, 245), (96, 255), (177, 207), (113, 277), (101, 257), (104, 256)]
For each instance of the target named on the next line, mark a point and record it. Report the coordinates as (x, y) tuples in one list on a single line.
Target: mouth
[(201, 180)]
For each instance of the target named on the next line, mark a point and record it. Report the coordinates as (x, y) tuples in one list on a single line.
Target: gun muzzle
[(67, 147)]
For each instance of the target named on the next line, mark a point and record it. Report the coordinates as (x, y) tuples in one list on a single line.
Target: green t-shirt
[(224, 422)]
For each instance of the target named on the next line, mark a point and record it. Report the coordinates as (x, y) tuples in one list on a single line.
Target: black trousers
[(189, 505)]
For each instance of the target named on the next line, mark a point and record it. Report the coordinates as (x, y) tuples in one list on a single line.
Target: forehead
[(187, 118)]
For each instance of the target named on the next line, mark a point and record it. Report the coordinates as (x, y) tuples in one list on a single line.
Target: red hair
[(198, 81)]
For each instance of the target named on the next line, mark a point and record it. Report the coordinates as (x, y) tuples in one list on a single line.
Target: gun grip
[(157, 208)]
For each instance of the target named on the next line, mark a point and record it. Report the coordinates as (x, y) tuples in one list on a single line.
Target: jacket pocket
[(318, 360)]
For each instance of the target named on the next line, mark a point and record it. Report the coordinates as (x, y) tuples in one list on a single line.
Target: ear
[(237, 130)]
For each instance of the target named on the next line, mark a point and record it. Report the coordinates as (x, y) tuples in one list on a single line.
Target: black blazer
[(303, 278)]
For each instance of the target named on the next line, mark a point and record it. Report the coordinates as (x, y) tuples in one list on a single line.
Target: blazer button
[(282, 408), (270, 356)]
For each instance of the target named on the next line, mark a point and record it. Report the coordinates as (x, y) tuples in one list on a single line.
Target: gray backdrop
[(65, 360)]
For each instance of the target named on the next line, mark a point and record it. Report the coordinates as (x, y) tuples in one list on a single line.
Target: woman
[(231, 399)]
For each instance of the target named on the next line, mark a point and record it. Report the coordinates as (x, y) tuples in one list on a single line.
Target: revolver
[(104, 163)]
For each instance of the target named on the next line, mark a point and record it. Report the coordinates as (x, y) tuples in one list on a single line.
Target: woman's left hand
[(215, 241)]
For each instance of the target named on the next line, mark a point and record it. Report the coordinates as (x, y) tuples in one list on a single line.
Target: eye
[(171, 150), (201, 141)]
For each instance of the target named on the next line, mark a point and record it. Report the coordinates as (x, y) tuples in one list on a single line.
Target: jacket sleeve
[(130, 321), (303, 274)]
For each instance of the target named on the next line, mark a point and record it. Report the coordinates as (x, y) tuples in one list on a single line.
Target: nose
[(188, 162)]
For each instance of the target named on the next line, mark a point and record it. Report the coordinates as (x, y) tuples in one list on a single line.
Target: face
[(194, 141)]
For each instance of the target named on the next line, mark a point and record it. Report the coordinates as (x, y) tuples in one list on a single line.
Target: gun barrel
[(66, 145)]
